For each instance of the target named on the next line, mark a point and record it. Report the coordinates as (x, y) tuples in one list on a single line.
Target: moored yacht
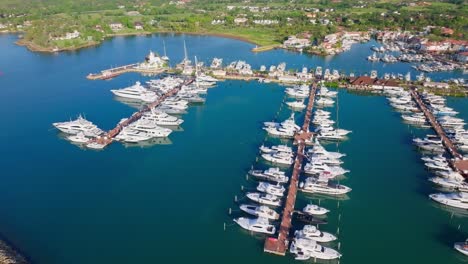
[(137, 92), (277, 190), (271, 174), (307, 248), (260, 211), (461, 247), (267, 199), (260, 225), (457, 200), (279, 158), (322, 186), (312, 232), (79, 125), (313, 209)]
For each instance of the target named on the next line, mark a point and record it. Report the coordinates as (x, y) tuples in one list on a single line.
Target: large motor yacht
[(457, 200), (260, 225), (79, 125), (312, 232), (137, 92)]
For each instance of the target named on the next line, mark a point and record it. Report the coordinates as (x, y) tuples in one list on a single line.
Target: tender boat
[(260, 225), (260, 211)]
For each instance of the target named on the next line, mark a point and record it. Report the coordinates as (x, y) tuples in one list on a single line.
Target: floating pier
[(108, 137), (279, 245), (457, 162)]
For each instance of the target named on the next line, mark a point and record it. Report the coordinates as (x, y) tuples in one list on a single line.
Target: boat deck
[(279, 245), (458, 163), (107, 138)]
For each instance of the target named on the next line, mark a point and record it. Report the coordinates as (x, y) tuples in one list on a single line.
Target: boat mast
[(196, 66), (185, 52), (164, 45)]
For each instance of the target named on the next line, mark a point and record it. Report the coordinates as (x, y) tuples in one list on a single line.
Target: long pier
[(114, 72), (457, 163), (279, 245), (108, 137)]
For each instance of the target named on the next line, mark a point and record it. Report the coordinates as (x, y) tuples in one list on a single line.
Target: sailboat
[(165, 57)]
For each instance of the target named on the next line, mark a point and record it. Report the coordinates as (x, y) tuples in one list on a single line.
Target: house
[(446, 31), (116, 26), (240, 20), (69, 35), (462, 57), (298, 43), (439, 85), (138, 26), (435, 46)]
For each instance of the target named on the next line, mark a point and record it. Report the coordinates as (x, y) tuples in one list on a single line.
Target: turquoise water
[(60, 204)]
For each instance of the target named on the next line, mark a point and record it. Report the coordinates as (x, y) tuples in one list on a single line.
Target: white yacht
[(260, 225), (323, 101), (132, 136), (299, 105), (325, 92), (95, 145), (461, 247), (448, 183), (151, 128), (271, 174), (277, 148), (319, 167), (137, 92), (457, 200), (325, 160), (267, 199), (322, 186), (307, 248), (277, 190), (279, 158), (313, 209), (312, 232), (78, 138), (161, 118), (280, 132), (79, 125), (260, 211), (331, 136)]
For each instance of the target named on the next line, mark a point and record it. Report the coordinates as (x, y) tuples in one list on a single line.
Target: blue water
[(168, 203)]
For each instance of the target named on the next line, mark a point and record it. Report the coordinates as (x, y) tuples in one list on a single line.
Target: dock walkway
[(107, 138), (457, 163), (279, 245)]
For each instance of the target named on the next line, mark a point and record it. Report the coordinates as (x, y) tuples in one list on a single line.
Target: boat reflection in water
[(149, 143), (137, 104)]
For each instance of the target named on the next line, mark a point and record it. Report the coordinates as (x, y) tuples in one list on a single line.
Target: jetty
[(114, 72), (457, 163), (279, 245), (108, 137)]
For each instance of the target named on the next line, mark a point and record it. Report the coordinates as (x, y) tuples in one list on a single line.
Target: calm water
[(61, 204)]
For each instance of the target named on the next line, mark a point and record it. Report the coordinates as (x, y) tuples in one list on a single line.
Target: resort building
[(438, 85), (116, 26)]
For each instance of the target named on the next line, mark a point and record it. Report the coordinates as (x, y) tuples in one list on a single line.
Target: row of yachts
[(152, 123), (453, 184), (322, 169)]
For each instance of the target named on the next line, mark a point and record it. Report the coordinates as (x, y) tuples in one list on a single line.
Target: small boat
[(461, 247), (260, 225), (260, 211), (267, 199), (312, 232), (312, 209)]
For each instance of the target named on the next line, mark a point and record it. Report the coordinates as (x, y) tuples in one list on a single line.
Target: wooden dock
[(108, 137), (457, 162), (279, 245)]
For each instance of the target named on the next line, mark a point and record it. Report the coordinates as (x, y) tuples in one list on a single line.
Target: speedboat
[(322, 186), (267, 199), (272, 189), (307, 248), (260, 211), (311, 232), (457, 200), (260, 225), (461, 247), (313, 209), (137, 92)]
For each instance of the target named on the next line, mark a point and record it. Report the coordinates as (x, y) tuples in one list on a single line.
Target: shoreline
[(36, 48), (9, 254)]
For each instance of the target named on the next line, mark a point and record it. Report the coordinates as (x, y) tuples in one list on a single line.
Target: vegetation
[(45, 21)]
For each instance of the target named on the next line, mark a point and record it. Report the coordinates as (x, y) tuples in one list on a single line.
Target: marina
[(121, 192)]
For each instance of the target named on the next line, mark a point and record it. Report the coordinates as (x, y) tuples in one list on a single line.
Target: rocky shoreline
[(9, 255)]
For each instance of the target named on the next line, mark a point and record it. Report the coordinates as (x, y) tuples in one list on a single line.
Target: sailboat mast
[(185, 51), (164, 46)]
